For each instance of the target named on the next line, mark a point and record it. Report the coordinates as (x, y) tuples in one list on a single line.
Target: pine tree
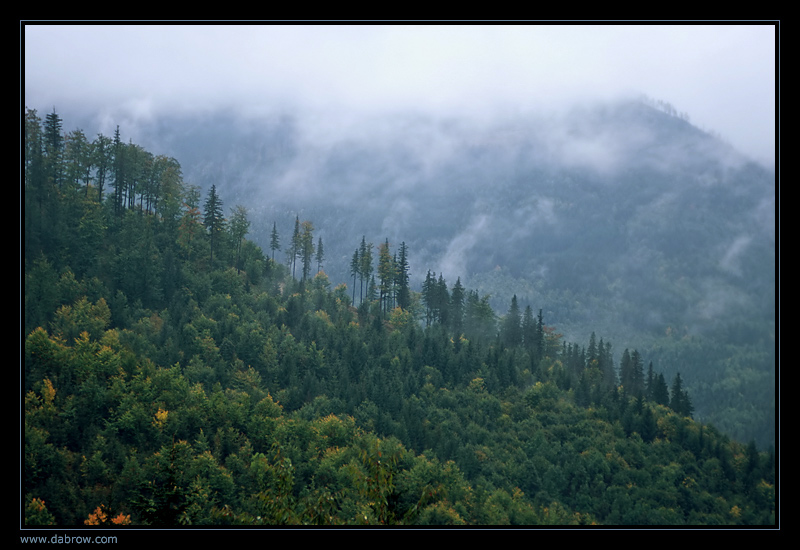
[(239, 227), (626, 372), (213, 219), (428, 297), (385, 274), (660, 390), (403, 291), (592, 356), (307, 247), (650, 382), (54, 147), (77, 160), (320, 255), (609, 374), (679, 401), (118, 172), (274, 241), (295, 248), (637, 373), (540, 334), (37, 188), (442, 301), (512, 328), (529, 329), (479, 317), (355, 271), (366, 269), (103, 157), (457, 297)]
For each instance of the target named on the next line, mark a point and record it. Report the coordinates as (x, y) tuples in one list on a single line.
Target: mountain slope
[(618, 217)]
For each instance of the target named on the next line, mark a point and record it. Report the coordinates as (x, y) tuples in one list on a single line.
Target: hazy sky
[(723, 76)]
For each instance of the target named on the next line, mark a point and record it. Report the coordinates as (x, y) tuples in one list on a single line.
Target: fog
[(503, 155), (723, 76)]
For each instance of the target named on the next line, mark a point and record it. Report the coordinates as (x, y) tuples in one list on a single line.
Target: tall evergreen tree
[(213, 218), (479, 317), (355, 271), (386, 274), (609, 374), (528, 329), (36, 186), (626, 371), (540, 333), (679, 400), (295, 246), (592, 355), (307, 247), (239, 226), (103, 158), (428, 291), (649, 382), (320, 255), (274, 240), (512, 324), (366, 269), (660, 390), (54, 147), (403, 290), (118, 172), (457, 308), (77, 160), (442, 301), (637, 373)]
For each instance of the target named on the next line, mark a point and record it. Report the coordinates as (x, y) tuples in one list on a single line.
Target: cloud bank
[(722, 75)]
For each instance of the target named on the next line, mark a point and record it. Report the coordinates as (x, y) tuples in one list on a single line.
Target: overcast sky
[(723, 76)]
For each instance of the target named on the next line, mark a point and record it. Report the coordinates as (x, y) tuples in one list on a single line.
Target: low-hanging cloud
[(723, 75)]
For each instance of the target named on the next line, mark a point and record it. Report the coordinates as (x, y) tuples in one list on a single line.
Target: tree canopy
[(174, 374)]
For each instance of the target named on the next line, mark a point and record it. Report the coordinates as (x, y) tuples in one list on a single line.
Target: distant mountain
[(617, 218), (612, 201)]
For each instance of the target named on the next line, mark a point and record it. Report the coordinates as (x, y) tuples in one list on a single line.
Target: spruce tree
[(592, 353), (295, 247), (274, 241), (637, 373), (609, 374), (428, 297), (403, 291), (386, 275), (660, 390), (307, 247), (320, 255), (442, 301), (54, 147), (457, 308), (512, 326), (213, 219), (680, 401), (366, 269), (239, 226), (528, 329), (355, 271)]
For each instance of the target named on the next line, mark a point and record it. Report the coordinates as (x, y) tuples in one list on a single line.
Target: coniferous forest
[(177, 374)]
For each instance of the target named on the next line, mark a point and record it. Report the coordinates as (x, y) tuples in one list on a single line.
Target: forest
[(175, 373)]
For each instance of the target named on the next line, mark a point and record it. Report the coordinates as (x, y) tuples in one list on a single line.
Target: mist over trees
[(177, 373), (615, 216)]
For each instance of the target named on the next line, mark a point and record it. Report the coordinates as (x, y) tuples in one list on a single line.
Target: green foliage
[(179, 391)]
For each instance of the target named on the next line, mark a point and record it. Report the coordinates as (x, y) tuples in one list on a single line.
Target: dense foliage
[(175, 374), (618, 217)]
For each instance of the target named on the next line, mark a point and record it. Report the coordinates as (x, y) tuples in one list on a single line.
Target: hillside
[(175, 375), (621, 218)]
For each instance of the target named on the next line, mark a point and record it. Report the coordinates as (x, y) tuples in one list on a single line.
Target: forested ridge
[(177, 374)]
